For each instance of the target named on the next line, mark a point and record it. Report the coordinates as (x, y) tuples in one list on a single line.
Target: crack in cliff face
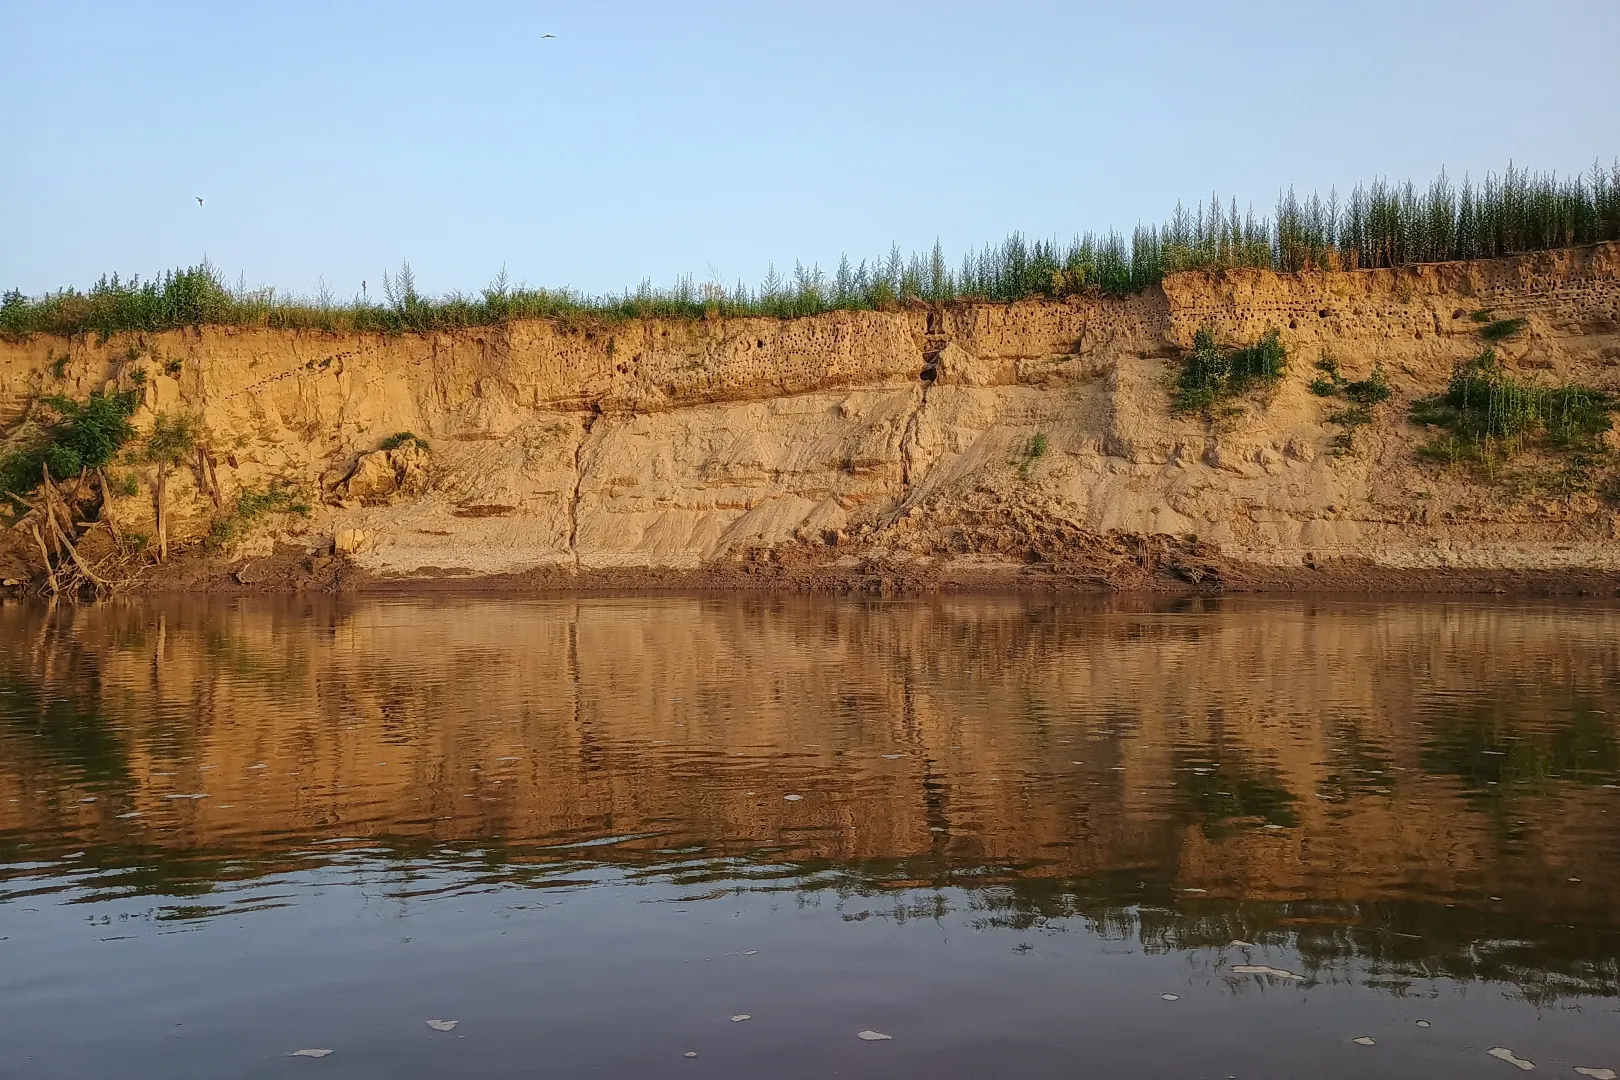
[(933, 346), (579, 478), (908, 440)]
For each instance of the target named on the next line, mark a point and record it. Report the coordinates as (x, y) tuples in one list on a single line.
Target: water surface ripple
[(1022, 836)]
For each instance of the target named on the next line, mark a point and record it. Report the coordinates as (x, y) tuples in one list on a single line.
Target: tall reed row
[(1377, 225), (1488, 413), (1384, 224)]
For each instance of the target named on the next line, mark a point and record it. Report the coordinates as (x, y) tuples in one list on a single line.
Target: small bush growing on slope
[(83, 435), (251, 506), (1210, 374), (1033, 451), (1502, 329), (1489, 415), (1363, 395), (170, 443), (1369, 391), (403, 438)]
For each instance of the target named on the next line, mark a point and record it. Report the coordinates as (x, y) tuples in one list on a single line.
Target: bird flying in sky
[(198, 198), (544, 36)]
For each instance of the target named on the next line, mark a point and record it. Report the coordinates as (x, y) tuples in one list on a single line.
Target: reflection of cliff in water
[(1334, 772)]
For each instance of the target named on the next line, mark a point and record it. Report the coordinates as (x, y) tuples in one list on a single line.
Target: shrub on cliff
[(169, 444), (1488, 414), (403, 438), (1210, 374), (1364, 396), (77, 436), (1502, 329), (251, 506)]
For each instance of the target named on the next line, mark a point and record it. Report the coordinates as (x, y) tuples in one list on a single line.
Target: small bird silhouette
[(198, 198), (544, 36)]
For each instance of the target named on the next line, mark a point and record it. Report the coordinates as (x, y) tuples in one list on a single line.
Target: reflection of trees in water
[(1223, 794), (1517, 740), (53, 676), (69, 734), (54, 697), (1390, 946), (1386, 945)]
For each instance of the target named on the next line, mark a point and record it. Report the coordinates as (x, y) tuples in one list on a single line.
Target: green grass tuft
[(1502, 329), (251, 506), (1363, 394), (1033, 451), (1372, 390), (1349, 421), (403, 438)]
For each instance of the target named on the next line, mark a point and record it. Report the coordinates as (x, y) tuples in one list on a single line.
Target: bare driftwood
[(47, 507), (90, 575), (208, 479), (49, 517), (161, 494), (50, 571), (106, 516)]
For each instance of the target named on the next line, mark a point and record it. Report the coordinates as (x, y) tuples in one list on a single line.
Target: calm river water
[(1020, 837)]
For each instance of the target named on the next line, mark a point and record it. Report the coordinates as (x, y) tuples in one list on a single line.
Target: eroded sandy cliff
[(897, 441)]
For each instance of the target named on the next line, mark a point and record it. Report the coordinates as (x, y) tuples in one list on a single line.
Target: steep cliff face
[(979, 439)]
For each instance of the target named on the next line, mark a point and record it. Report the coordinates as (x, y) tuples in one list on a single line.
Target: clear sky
[(334, 139)]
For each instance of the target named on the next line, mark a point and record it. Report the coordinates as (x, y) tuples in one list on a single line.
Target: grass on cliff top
[(1488, 415), (1377, 225)]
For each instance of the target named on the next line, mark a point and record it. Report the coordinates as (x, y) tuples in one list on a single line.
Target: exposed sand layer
[(870, 448)]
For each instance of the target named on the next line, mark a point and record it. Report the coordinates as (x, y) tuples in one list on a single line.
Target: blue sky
[(331, 140)]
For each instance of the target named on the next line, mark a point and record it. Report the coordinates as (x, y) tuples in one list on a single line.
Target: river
[(702, 836)]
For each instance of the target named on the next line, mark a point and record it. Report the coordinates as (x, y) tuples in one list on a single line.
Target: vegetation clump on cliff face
[(1488, 415), (1377, 225), (78, 436), (1032, 452), (1210, 374), (251, 506), (1363, 395), (1496, 330), (403, 438)]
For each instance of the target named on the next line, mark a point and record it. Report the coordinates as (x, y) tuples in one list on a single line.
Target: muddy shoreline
[(296, 572)]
